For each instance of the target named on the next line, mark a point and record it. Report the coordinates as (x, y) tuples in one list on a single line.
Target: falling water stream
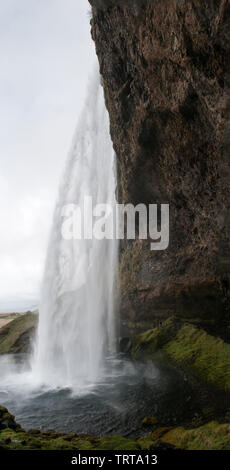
[(76, 317), (74, 380)]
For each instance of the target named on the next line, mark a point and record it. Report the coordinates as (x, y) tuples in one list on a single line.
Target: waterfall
[(76, 317)]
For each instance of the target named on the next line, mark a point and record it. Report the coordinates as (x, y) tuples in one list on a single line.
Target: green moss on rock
[(194, 350), (7, 420), (211, 436), (20, 439), (14, 437), (146, 344), (206, 356)]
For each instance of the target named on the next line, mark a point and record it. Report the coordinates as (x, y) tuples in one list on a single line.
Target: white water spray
[(76, 321)]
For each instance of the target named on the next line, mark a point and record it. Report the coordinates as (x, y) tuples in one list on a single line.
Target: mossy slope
[(15, 336), (194, 350), (211, 436)]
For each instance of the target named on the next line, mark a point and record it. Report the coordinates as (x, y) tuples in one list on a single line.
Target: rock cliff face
[(165, 70)]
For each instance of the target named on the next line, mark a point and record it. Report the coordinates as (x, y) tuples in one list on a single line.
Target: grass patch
[(206, 356), (24, 440), (15, 336), (211, 436), (190, 347)]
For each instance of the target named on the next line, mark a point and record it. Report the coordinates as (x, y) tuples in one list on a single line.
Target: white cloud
[(46, 55)]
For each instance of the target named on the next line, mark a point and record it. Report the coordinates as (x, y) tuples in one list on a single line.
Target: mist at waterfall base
[(74, 381), (117, 404)]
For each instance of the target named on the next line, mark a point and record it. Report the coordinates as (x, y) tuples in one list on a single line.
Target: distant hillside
[(16, 335)]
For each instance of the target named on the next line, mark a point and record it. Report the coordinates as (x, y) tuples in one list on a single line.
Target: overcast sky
[(46, 55)]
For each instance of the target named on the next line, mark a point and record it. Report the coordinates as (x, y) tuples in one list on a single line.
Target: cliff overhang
[(165, 71)]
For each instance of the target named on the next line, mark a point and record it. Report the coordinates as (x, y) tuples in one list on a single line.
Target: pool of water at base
[(117, 404)]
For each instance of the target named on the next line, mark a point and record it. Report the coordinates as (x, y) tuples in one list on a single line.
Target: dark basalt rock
[(7, 420), (165, 70)]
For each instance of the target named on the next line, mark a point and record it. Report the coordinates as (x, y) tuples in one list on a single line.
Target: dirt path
[(5, 320)]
